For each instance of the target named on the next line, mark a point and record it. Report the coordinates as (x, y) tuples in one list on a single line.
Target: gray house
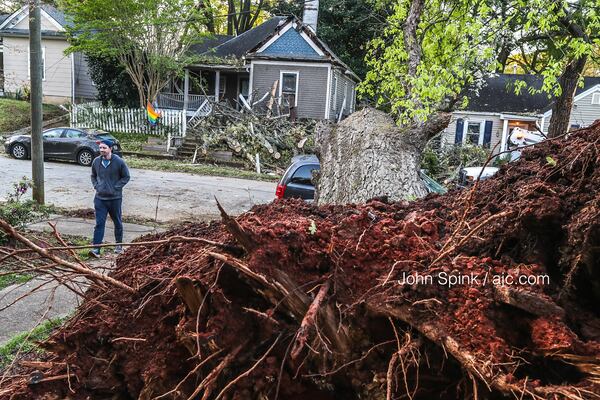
[(496, 109), (281, 57), (65, 77)]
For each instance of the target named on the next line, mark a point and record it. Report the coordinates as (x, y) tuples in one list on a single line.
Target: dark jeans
[(112, 208)]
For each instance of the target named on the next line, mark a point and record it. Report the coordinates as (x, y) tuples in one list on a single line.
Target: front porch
[(509, 122), (202, 86)]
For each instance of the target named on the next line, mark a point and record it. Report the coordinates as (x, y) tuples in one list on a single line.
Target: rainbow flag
[(153, 115)]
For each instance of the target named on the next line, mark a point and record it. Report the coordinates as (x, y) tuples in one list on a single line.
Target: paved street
[(179, 195)]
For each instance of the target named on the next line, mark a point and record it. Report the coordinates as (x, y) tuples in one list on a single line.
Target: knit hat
[(107, 142)]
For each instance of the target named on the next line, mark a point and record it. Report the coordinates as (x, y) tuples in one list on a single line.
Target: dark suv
[(296, 182)]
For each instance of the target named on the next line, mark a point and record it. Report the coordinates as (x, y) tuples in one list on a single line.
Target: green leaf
[(551, 161), (312, 229)]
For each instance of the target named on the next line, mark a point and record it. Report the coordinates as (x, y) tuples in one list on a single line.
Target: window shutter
[(460, 125), (487, 133)]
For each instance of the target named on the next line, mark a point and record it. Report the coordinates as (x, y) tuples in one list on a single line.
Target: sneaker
[(94, 253), (118, 249)]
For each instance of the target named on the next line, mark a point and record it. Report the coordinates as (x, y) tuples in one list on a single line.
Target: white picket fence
[(172, 123)]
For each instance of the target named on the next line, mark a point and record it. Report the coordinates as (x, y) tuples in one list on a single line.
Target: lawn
[(14, 114), (198, 169), (131, 141), (25, 342)]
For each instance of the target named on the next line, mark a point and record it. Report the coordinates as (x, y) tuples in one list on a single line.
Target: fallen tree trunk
[(367, 156)]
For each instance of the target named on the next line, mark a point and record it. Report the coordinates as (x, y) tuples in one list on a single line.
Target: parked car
[(467, 176), (296, 182), (73, 144)]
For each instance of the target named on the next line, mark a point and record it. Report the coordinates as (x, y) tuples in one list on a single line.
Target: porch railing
[(175, 101)]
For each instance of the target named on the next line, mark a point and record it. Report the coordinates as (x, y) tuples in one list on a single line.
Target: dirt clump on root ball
[(486, 292)]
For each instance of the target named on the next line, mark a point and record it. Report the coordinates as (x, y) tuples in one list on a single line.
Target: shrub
[(19, 212), (443, 163)]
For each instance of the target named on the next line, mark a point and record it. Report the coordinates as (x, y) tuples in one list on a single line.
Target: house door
[(244, 87)]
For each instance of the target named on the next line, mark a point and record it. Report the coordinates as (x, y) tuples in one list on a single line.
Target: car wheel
[(85, 158), (18, 151)]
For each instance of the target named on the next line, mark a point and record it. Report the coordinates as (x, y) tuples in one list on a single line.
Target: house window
[(346, 97), (288, 91), (222, 86), (474, 132), (334, 107), (596, 98)]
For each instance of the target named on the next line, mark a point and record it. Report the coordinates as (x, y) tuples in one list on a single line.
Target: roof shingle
[(498, 95)]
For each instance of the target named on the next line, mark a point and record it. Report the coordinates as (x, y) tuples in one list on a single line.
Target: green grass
[(198, 169), (14, 114), (13, 279), (25, 342), (131, 141)]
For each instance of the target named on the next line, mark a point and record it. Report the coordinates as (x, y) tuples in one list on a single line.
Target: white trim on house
[(476, 112), (520, 117), (312, 44), (274, 38), (72, 78), (481, 130), (335, 93), (328, 93), (15, 14), (292, 63), (297, 73), (543, 123), (23, 13), (250, 83), (289, 26), (504, 137), (52, 20), (595, 98)]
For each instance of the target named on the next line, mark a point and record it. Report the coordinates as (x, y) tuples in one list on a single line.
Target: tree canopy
[(149, 38), (428, 54)]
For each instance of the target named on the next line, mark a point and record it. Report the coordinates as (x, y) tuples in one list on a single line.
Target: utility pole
[(35, 73)]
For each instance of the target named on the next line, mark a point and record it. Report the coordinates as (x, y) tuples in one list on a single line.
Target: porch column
[(217, 85), (504, 136), (186, 90)]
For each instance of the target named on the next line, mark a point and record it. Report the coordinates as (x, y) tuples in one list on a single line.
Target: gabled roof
[(56, 16), (498, 95), (239, 46), (3, 17), (208, 43), (248, 44)]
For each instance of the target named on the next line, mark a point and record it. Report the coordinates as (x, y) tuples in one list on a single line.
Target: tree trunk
[(368, 156), (561, 109), (502, 58)]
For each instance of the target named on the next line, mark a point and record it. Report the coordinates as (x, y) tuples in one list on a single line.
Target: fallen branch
[(85, 271)]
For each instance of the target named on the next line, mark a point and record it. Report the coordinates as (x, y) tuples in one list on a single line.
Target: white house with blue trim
[(496, 109), (282, 61)]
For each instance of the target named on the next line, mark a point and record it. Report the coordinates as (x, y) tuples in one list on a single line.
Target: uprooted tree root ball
[(482, 293)]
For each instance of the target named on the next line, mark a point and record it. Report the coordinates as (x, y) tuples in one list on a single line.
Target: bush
[(443, 163), (19, 212)]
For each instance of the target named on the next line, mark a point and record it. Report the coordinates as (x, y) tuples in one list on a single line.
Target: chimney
[(311, 14)]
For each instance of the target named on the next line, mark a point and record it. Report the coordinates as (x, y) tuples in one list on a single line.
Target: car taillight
[(280, 191)]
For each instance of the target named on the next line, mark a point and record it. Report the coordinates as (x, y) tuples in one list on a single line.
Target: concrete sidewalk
[(53, 300), (85, 227)]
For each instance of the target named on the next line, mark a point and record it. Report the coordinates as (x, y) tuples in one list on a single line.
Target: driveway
[(175, 195)]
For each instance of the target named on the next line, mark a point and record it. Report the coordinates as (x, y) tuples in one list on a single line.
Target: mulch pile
[(480, 293)]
